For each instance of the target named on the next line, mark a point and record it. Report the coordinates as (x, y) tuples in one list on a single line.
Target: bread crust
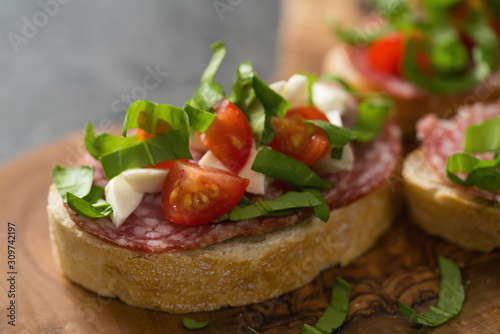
[(468, 221), (408, 110), (231, 273)]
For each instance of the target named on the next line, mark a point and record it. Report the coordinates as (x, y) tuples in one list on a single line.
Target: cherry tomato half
[(194, 195), (161, 128), (386, 53), (229, 137), (303, 142)]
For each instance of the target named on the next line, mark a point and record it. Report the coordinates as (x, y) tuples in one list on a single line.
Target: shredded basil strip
[(484, 55), (483, 137), (104, 143), (481, 173), (75, 180), (150, 116), (93, 207), (244, 94), (449, 54), (450, 299), (372, 116), (336, 312), (210, 91), (168, 146), (218, 54), (278, 206), (337, 136), (199, 120), (280, 166), (253, 330), (274, 105), (193, 324), (311, 79), (322, 211)]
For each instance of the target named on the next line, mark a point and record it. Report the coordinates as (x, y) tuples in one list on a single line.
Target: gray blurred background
[(66, 62)]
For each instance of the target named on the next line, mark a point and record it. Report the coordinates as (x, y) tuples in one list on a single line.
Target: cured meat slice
[(147, 230), (442, 138)]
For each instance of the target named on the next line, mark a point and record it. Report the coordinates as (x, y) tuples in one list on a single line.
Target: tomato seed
[(187, 200), (236, 142), (173, 195), (213, 190)]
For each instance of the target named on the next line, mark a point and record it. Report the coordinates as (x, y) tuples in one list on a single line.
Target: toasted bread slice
[(231, 273), (444, 211)]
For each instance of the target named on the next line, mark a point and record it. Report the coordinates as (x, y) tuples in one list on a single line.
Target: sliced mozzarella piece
[(329, 165), (258, 182), (329, 98), (295, 90), (278, 86), (146, 180), (123, 199)]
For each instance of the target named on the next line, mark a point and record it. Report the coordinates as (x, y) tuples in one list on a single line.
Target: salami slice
[(442, 138), (147, 230)]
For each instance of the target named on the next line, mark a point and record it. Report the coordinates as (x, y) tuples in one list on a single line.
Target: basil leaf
[(289, 200), (104, 143), (280, 166), (450, 299), (336, 312), (218, 54), (168, 146), (483, 137), (337, 136), (372, 115), (193, 324), (244, 94), (75, 180), (359, 37), (210, 92), (199, 119), (322, 211), (151, 117), (81, 206), (449, 54), (479, 29), (274, 105), (481, 173), (311, 79)]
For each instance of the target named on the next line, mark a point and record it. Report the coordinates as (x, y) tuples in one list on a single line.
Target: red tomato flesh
[(386, 54), (161, 128), (303, 142), (229, 137), (194, 195)]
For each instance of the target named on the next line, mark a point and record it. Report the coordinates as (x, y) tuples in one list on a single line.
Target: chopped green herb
[(88, 208), (150, 116), (277, 206), (104, 143), (450, 299), (274, 105), (480, 173), (75, 180), (199, 120), (483, 137), (253, 330), (311, 79), (280, 166), (372, 116), (336, 312), (244, 94), (193, 324), (145, 153), (322, 211)]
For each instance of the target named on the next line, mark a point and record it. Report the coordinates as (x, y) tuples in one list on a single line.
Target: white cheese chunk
[(278, 86), (295, 90), (329, 165), (146, 180), (258, 182), (123, 199), (329, 98)]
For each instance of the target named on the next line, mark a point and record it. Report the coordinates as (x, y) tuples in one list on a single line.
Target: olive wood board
[(403, 264)]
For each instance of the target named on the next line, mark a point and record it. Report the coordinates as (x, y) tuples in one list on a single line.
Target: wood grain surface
[(403, 263)]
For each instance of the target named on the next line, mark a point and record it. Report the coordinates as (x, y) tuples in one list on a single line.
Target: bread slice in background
[(231, 273), (441, 210), (409, 109)]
